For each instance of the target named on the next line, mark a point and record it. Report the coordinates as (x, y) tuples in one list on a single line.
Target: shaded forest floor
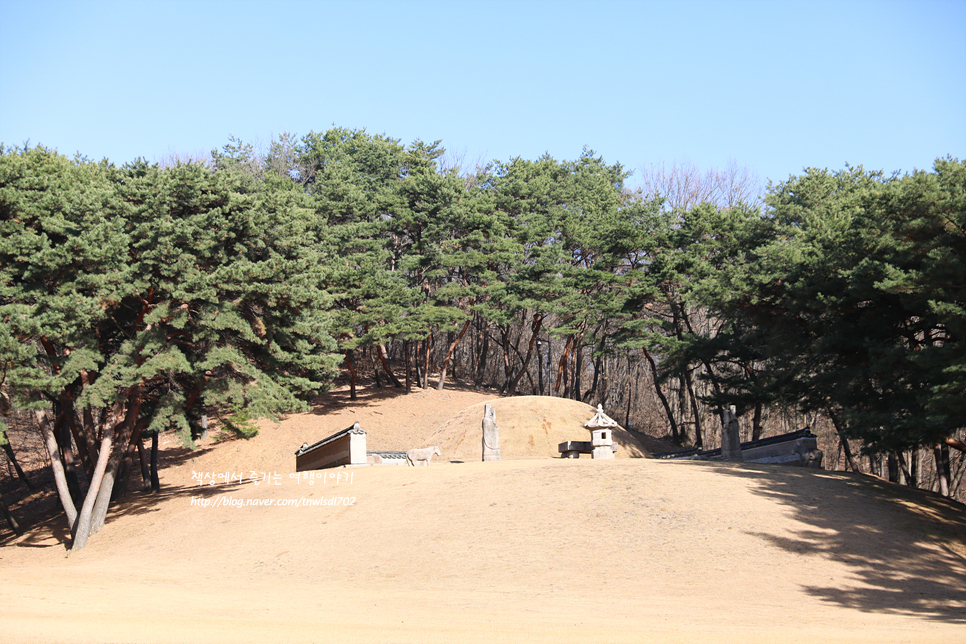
[(235, 549)]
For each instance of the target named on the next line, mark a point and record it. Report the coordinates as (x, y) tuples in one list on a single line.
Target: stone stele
[(491, 435), (730, 437)]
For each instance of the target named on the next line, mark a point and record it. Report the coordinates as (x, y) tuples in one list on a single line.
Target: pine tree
[(852, 301), (135, 297)]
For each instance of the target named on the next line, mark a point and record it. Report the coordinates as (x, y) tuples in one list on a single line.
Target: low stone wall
[(386, 458), (799, 451), (795, 448)]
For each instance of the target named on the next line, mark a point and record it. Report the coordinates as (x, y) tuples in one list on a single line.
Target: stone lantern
[(601, 428)]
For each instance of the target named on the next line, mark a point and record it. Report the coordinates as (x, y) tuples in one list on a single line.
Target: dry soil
[(235, 549)]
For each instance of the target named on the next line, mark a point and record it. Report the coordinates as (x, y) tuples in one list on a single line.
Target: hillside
[(534, 550)]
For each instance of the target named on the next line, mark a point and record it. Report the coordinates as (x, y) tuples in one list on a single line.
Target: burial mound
[(530, 427)]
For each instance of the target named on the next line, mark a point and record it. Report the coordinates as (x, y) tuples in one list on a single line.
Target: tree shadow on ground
[(906, 548), (146, 502), (52, 531), (49, 530), (42, 517)]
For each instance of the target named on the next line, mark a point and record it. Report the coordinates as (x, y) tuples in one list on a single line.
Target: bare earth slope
[(540, 550)]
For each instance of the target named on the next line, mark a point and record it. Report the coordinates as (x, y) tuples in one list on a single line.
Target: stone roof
[(355, 429), (601, 420)]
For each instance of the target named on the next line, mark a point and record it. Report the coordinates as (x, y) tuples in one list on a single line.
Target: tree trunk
[(578, 368), (60, 478), (12, 522), (62, 434), (350, 363), (155, 479), (845, 443), (428, 341), (455, 363), (88, 428), (904, 476), (893, 464), (505, 334), (660, 394), (369, 352), (549, 367), (604, 366), (588, 395), (64, 430), (914, 458), (849, 459), (145, 470), (8, 450), (682, 401), (630, 399), (385, 365), (942, 468), (540, 367), (127, 465), (87, 455), (409, 382), (707, 365), (104, 494), (417, 362), (562, 373), (446, 360), (534, 333), (875, 465), (481, 361), (956, 479), (449, 354), (756, 423), (113, 447), (81, 529), (698, 441), (474, 351)]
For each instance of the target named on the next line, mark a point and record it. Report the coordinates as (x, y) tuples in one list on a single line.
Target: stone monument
[(730, 437), (491, 435)]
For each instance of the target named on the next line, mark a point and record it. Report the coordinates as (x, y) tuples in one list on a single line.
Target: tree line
[(136, 299)]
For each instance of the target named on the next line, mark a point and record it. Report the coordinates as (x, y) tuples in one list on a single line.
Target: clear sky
[(776, 85)]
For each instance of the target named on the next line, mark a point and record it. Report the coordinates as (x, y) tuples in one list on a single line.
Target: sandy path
[(531, 550)]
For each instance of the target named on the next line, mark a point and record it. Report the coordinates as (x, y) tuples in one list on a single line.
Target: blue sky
[(776, 86)]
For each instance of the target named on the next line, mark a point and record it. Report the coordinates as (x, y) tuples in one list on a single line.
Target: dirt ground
[(235, 549)]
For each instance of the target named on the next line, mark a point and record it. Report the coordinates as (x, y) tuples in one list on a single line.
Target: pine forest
[(145, 298)]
